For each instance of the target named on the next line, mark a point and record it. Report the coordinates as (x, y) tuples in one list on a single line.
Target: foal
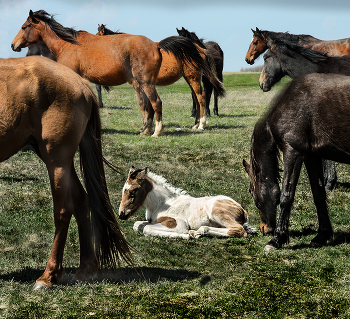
[(171, 212)]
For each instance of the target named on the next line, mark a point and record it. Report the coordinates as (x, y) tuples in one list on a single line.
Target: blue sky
[(227, 22)]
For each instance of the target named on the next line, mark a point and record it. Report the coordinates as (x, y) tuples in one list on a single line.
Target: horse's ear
[(132, 170), (32, 18), (246, 166)]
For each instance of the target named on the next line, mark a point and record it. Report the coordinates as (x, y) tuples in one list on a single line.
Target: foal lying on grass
[(171, 212)]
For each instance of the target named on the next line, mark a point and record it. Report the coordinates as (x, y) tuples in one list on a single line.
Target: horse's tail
[(185, 50), (109, 242)]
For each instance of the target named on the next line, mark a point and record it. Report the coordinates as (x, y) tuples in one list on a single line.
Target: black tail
[(110, 244), (185, 50)]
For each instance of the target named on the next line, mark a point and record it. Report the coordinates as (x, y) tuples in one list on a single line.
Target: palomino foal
[(171, 212)]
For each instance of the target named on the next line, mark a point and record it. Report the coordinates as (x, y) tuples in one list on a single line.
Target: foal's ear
[(246, 166)]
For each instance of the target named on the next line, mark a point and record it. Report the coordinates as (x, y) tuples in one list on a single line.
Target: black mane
[(295, 38), (66, 34), (109, 31), (192, 36)]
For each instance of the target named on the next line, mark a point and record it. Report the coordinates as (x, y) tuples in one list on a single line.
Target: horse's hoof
[(157, 134), (195, 127), (269, 248), (146, 133), (39, 285)]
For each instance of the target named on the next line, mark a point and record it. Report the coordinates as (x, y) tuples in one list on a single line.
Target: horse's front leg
[(330, 174), (292, 167), (208, 90), (59, 180), (315, 172), (198, 93), (156, 103)]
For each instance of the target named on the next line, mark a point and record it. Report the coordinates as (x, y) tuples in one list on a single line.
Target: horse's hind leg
[(81, 211), (315, 172), (208, 89), (60, 186), (330, 174), (234, 230)]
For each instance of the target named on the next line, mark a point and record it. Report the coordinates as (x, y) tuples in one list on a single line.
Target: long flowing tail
[(185, 50), (110, 244)]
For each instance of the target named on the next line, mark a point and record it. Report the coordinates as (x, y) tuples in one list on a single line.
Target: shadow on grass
[(117, 108), (343, 186), (12, 179), (115, 276)]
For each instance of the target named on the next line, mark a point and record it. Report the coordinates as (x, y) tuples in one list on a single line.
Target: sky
[(228, 22)]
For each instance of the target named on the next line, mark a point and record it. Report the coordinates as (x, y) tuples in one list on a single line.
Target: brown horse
[(53, 109), (112, 60), (172, 69), (259, 44)]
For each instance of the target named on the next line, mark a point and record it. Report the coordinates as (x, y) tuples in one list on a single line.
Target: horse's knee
[(237, 231)]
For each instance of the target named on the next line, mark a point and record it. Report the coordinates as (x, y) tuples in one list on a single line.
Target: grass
[(204, 278)]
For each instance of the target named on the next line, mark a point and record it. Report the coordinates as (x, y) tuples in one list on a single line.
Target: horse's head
[(266, 194), (272, 71), (256, 47), (101, 29), (29, 33), (134, 193)]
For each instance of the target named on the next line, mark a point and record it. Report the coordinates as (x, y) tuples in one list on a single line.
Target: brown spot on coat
[(168, 222), (229, 212)]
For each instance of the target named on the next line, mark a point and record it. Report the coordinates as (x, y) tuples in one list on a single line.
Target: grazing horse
[(47, 105), (171, 212), (259, 44), (113, 60), (298, 125), (287, 58), (218, 60), (172, 70)]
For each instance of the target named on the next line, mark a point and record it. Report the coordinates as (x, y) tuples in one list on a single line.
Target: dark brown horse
[(298, 125), (53, 109), (259, 43), (172, 70), (113, 60), (215, 51)]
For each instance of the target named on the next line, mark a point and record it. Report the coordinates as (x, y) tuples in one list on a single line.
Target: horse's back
[(41, 100), (304, 113)]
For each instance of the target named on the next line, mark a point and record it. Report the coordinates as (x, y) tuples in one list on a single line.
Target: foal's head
[(135, 191), (256, 47)]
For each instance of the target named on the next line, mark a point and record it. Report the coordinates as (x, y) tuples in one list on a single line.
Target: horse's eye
[(132, 194), (255, 42)]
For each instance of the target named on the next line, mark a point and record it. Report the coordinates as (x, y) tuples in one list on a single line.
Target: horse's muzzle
[(15, 48), (251, 62)]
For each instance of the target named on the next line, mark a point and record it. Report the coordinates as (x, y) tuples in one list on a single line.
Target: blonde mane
[(160, 180)]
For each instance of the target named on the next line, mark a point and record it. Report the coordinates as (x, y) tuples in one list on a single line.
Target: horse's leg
[(152, 95), (330, 174), (81, 211), (292, 166), (146, 109), (158, 229), (59, 173), (195, 84), (99, 93), (315, 172), (194, 105), (233, 230), (208, 89)]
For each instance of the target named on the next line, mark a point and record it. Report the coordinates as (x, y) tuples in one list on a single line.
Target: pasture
[(174, 278)]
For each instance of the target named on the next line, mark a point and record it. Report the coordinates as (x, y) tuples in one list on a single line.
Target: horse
[(291, 59), (259, 43), (171, 212), (113, 60), (47, 105), (215, 50), (297, 124), (172, 70)]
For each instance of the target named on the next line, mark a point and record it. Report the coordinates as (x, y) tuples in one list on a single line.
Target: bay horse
[(259, 44), (297, 124), (111, 60), (171, 212), (216, 52), (171, 70), (47, 105)]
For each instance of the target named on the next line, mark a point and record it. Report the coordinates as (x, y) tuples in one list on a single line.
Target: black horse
[(287, 58), (216, 52), (298, 125)]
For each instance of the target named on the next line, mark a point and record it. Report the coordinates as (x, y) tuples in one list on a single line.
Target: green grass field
[(173, 278)]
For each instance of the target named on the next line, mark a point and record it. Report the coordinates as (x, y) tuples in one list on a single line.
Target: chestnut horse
[(217, 54), (172, 70), (298, 125), (259, 44), (112, 60), (171, 212), (52, 108)]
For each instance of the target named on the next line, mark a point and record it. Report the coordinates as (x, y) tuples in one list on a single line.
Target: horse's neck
[(295, 67), (158, 200)]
